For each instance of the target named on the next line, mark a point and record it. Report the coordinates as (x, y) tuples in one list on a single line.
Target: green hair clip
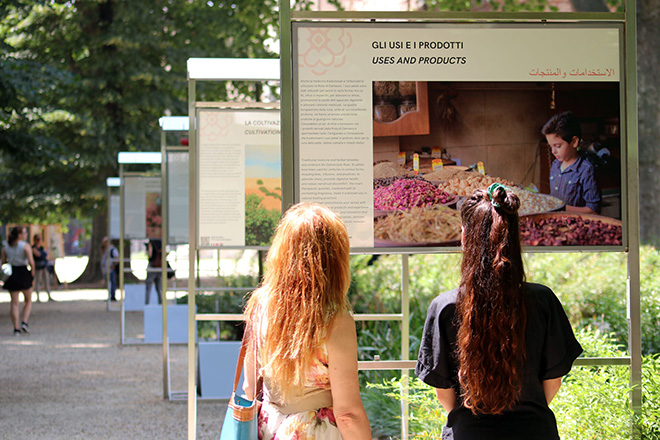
[(491, 190)]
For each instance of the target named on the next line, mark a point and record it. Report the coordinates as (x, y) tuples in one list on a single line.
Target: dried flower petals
[(569, 230), (404, 194)]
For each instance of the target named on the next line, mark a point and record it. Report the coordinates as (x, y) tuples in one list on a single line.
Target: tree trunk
[(648, 65), (92, 273)]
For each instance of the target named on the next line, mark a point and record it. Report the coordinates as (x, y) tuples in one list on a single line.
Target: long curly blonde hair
[(304, 289)]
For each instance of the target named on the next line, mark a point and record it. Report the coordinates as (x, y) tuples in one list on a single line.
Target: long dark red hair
[(490, 307)]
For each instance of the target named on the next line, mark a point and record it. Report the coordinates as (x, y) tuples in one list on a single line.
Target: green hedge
[(592, 288), (592, 403)]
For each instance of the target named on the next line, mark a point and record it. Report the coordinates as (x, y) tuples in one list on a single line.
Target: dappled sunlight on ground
[(68, 269), (216, 262), (212, 264), (64, 295)]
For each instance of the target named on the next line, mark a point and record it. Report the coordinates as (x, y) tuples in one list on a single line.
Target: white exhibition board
[(56, 244), (178, 182), (177, 323), (217, 368), (115, 215), (135, 296), (337, 65), (142, 207), (237, 149)]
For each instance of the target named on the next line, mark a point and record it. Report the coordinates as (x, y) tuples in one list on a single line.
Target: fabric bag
[(447, 433), (242, 414), (5, 273)]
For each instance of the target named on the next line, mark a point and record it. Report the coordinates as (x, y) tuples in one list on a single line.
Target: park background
[(81, 81)]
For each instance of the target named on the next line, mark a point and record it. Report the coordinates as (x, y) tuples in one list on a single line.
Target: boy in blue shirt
[(572, 176)]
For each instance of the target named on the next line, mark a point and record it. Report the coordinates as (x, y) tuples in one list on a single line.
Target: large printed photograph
[(263, 193), (425, 114), (555, 145)]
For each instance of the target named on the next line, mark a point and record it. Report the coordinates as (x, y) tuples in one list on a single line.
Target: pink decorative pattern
[(322, 49), (214, 126)]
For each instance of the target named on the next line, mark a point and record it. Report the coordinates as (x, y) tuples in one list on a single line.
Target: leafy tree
[(83, 80), (495, 5), (260, 222)]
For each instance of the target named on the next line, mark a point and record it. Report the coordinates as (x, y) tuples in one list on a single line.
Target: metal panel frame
[(499, 24), (223, 70), (125, 158), (228, 106), (630, 199), (167, 124), (110, 184)]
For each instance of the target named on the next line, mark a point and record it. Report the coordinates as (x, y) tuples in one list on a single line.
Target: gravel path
[(71, 379)]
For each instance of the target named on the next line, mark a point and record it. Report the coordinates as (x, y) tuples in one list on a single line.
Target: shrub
[(426, 415), (591, 404), (260, 223), (592, 288), (222, 302), (649, 420)]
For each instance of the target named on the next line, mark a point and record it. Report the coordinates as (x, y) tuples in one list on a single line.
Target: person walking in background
[(41, 275), (110, 266), (496, 347), (18, 253), (298, 323), (154, 269)]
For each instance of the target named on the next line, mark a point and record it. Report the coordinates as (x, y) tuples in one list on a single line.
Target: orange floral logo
[(322, 49)]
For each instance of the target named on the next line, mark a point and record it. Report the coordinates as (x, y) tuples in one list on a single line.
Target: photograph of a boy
[(572, 176)]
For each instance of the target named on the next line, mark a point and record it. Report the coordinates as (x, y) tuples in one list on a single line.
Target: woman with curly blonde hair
[(496, 347), (304, 337)]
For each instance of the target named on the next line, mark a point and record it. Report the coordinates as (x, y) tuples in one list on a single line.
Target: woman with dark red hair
[(496, 347)]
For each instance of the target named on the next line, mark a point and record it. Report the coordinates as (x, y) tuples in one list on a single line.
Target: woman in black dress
[(18, 253), (496, 347)]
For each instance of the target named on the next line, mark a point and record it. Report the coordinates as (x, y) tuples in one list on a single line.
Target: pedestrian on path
[(110, 266), (41, 275), (154, 269), (18, 253)]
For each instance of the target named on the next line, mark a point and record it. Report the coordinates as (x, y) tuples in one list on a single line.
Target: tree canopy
[(82, 80)]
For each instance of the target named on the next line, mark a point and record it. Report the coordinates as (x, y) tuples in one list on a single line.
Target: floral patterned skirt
[(317, 424)]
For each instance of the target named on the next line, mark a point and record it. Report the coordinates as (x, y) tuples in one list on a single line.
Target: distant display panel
[(396, 124), (114, 204), (177, 196), (142, 207), (239, 195)]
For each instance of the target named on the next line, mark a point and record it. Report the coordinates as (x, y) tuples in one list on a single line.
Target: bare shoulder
[(343, 328)]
